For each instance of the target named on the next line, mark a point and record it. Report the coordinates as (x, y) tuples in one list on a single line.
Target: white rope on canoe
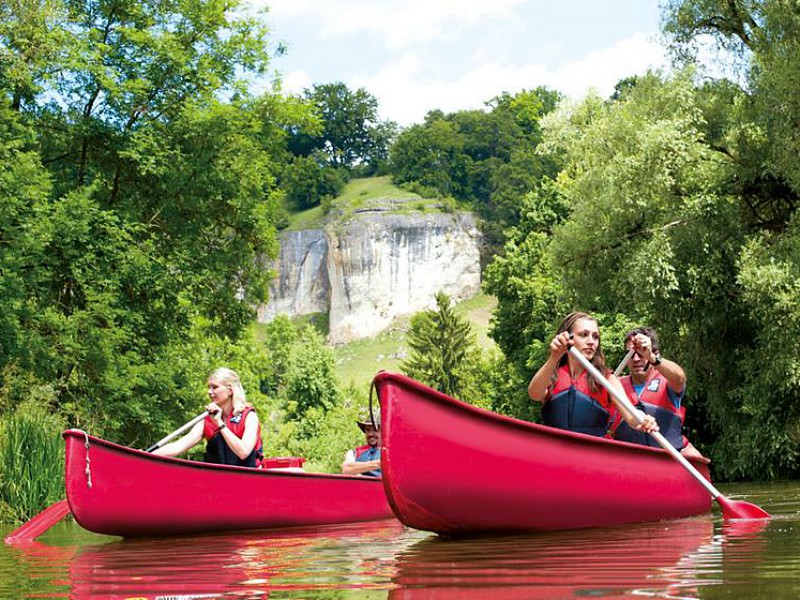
[(88, 460)]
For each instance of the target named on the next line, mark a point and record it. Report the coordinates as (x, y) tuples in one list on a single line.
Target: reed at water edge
[(31, 462)]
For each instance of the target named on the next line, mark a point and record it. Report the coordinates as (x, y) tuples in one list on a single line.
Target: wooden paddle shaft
[(178, 431), (624, 404)]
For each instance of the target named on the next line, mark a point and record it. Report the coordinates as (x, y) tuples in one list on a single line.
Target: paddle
[(51, 515), (178, 431), (731, 509), (37, 525), (621, 366)]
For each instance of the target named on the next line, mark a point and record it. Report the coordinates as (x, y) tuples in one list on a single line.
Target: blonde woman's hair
[(230, 378)]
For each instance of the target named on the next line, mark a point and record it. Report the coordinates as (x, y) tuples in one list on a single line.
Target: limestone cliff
[(376, 267)]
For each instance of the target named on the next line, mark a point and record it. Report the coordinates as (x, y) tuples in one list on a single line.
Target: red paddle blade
[(39, 524), (739, 509)]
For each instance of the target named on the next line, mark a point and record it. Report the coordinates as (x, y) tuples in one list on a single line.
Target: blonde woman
[(231, 429)]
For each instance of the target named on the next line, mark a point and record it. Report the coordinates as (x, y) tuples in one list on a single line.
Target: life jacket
[(573, 406), (659, 401), (367, 453), (217, 451)]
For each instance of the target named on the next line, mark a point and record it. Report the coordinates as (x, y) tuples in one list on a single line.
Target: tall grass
[(31, 462)]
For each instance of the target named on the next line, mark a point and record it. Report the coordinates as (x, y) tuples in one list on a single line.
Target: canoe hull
[(453, 468), (134, 493)]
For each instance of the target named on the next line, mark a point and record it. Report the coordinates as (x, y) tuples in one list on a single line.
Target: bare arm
[(242, 446), (351, 466), (540, 382), (673, 373), (181, 445)]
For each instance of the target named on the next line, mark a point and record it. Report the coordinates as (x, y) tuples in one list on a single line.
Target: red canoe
[(116, 490), (453, 468)]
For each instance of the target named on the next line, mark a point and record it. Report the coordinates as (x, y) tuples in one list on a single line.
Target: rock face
[(375, 268), (301, 285)]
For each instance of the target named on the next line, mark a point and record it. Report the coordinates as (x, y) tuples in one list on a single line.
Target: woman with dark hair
[(571, 397)]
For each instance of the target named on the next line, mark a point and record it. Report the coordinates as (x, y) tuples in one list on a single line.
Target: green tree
[(307, 182), (753, 125), (310, 376), (759, 37), (34, 44), (531, 298), (648, 223), (350, 132), (488, 158), (444, 354), (648, 227), (429, 156), (142, 203), (301, 369), (25, 231)]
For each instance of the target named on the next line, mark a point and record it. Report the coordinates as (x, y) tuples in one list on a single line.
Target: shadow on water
[(690, 558)]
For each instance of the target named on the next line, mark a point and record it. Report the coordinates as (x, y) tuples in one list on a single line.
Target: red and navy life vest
[(217, 451), (367, 453), (573, 406), (662, 403)]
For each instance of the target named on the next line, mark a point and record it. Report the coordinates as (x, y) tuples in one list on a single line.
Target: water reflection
[(235, 565), (605, 563), (700, 558)]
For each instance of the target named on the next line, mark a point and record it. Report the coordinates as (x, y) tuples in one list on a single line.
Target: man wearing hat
[(365, 460)]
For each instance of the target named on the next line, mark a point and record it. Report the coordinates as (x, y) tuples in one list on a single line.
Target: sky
[(419, 55)]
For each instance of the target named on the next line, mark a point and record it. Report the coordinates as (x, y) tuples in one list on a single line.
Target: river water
[(701, 557)]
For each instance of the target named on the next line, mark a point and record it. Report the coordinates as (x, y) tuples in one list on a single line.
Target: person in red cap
[(366, 459)]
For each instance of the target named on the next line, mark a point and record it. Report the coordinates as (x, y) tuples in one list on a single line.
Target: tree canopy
[(350, 133), (486, 159), (143, 203), (444, 354), (141, 185)]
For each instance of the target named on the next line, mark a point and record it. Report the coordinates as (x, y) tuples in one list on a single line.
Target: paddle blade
[(32, 529), (739, 509)]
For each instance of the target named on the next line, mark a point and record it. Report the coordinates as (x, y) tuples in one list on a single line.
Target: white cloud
[(420, 55), (296, 81), (602, 69), (400, 23), (406, 93)]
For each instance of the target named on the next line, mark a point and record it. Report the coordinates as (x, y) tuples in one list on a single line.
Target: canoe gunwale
[(116, 490), (507, 421), (194, 464)]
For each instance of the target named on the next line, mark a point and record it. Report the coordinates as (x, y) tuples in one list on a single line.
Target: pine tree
[(444, 353)]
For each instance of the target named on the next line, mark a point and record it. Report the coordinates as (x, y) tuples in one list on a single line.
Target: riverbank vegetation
[(142, 188), (675, 206)]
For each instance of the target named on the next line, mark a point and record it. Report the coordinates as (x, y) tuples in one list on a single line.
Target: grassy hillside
[(360, 194), (359, 361)]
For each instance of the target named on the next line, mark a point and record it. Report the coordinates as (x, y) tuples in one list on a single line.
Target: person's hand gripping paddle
[(731, 509)]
